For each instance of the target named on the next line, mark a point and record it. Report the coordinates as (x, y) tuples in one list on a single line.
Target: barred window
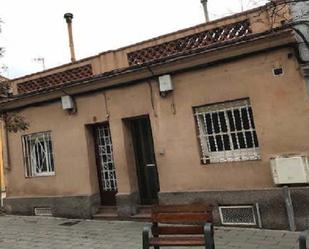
[(38, 154), (227, 132)]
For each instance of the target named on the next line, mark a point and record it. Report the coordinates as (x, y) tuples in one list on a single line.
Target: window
[(38, 154), (227, 132)]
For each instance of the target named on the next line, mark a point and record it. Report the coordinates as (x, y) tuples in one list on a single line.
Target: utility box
[(166, 84), (290, 170), (67, 102)]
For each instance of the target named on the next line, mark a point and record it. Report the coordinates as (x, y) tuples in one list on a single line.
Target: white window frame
[(232, 154), (32, 154)]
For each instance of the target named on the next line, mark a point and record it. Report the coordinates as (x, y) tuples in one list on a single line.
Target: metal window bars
[(38, 154), (227, 132), (105, 150)]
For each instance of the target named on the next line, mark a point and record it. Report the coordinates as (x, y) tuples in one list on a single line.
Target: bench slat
[(168, 230), (177, 241), (199, 208), (181, 217)]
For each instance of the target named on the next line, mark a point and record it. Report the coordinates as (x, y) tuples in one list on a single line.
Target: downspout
[(5, 148), (1, 169), (5, 156)]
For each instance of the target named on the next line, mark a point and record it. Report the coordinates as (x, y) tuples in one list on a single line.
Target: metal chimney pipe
[(68, 17), (205, 7)]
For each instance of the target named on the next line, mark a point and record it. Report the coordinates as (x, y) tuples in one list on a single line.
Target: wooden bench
[(180, 225), (303, 239)]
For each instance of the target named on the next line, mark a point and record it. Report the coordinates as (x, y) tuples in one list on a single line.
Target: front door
[(145, 160), (105, 164)]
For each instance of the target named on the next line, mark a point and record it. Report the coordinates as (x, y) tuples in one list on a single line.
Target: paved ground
[(17, 232)]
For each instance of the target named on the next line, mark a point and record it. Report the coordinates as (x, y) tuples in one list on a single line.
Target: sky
[(34, 29)]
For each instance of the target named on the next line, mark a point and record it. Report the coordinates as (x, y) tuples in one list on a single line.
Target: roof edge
[(239, 14), (133, 69)]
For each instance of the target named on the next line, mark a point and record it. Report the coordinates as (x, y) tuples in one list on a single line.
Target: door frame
[(129, 122)]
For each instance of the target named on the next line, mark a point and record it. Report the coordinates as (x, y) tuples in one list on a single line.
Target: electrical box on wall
[(166, 84), (67, 102), (290, 169)]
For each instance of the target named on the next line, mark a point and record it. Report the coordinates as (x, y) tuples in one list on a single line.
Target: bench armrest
[(303, 239), (209, 236), (146, 232)]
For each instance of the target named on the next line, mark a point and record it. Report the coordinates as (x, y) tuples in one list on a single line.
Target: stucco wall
[(280, 106)]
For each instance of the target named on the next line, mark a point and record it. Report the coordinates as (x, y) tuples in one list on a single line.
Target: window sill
[(41, 175), (230, 162)]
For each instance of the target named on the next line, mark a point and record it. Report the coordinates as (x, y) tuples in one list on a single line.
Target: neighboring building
[(190, 116)]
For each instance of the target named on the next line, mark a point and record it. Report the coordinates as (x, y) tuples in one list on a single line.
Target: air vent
[(237, 215), (43, 211)]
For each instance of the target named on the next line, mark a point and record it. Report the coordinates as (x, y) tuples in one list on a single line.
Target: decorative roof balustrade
[(55, 79), (188, 43)]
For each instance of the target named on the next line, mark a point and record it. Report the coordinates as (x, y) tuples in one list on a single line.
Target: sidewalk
[(19, 232)]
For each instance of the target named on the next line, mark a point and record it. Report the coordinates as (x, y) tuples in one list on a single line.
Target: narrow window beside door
[(38, 154), (227, 132)]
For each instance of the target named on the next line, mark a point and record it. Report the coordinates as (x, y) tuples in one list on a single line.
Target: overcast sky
[(36, 28)]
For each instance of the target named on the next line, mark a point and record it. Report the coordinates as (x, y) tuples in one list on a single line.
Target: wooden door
[(145, 160)]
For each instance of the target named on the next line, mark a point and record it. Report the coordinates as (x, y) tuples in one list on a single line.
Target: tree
[(13, 121)]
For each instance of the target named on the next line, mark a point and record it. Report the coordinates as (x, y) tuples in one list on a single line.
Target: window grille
[(105, 150), (227, 132), (38, 154)]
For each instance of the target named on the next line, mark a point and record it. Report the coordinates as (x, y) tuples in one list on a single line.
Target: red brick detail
[(56, 79), (191, 42)]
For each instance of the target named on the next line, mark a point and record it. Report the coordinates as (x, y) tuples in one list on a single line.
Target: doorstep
[(110, 213)]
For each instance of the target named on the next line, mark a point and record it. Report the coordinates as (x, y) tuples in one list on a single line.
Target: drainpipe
[(5, 149), (205, 7), (5, 154), (289, 208), (68, 17), (1, 169)]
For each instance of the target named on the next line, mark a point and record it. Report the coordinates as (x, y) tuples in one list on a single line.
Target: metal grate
[(227, 132), (105, 151), (38, 154), (188, 43), (43, 211), (55, 79), (237, 215), (69, 223)]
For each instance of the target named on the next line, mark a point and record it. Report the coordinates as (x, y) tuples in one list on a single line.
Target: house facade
[(192, 116)]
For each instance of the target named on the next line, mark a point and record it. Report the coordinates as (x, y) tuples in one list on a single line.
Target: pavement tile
[(20, 232)]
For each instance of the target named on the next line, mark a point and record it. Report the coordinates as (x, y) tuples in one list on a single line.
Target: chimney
[(68, 17), (205, 7)]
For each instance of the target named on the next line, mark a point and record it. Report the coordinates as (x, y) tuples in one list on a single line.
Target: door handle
[(150, 165)]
